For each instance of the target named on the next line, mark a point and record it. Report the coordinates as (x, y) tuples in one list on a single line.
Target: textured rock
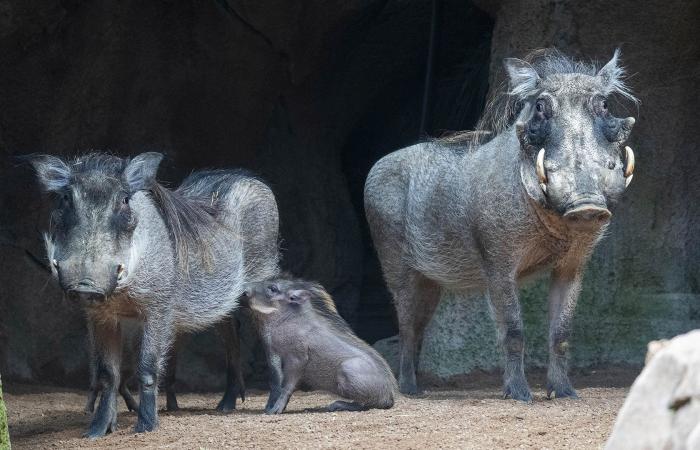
[(662, 409)]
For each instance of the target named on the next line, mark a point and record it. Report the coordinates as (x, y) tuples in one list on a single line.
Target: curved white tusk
[(628, 180), (539, 168), (629, 162)]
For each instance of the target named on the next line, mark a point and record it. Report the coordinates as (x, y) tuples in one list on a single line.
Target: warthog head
[(90, 237), (575, 161)]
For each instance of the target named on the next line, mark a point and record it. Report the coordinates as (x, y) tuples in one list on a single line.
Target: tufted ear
[(141, 171), (612, 77), (522, 77), (53, 173), (611, 71)]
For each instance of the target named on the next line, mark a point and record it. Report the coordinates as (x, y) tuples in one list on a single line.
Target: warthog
[(307, 341), (474, 214), (176, 260)]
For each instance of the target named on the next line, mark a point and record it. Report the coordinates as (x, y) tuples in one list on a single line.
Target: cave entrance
[(456, 99)]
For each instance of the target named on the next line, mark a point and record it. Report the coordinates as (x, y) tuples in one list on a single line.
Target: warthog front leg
[(106, 337), (157, 336), (563, 293), (503, 295), (169, 381), (415, 301), (235, 386), (293, 368), (274, 363)]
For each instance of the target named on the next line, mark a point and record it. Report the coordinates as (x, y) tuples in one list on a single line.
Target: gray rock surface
[(662, 409)]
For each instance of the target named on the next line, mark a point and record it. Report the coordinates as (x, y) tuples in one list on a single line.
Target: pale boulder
[(662, 410)]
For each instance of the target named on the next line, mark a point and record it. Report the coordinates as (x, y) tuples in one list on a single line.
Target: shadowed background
[(309, 95)]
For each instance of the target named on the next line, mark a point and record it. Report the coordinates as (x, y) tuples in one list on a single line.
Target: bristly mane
[(187, 218), (507, 100)]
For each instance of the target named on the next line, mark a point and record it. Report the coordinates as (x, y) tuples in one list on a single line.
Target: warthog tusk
[(628, 180), (55, 263), (120, 271), (629, 162), (539, 168)]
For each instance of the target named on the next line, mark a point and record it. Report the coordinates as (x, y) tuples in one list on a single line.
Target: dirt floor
[(472, 415)]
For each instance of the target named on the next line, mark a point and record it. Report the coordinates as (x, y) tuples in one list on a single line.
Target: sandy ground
[(470, 416)]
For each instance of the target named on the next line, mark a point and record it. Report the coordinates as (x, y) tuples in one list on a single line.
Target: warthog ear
[(141, 171), (611, 71), (523, 78), (612, 76), (53, 173), (298, 297)]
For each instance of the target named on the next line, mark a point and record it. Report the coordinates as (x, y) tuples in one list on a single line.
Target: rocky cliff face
[(309, 95)]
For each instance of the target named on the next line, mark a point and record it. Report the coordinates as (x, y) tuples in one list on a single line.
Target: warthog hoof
[(345, 406), (409, 387), (277, 408), (561, 390), (101, 425), (228, 401), (143, 426), (517, 390), (170, 403)]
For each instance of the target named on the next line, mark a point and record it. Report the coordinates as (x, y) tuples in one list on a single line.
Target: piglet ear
[(53, 173), (522, 77), (298, 297), (140, 173)]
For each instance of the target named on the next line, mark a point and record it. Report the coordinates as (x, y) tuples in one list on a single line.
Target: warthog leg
[(157, 336), (293, 371), (563, 292), (416, 299), (169, 381), (235, 386), (274, 363), (503, 295), (106, 337)]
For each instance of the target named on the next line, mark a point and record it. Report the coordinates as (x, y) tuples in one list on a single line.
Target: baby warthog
[(480, 215), (307, 341), (124, 246)]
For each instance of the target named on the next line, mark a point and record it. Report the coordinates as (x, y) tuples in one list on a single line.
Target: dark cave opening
[(457, 97)]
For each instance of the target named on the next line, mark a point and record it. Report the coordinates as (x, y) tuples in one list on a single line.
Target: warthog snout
[(86, 290), (588, 213)]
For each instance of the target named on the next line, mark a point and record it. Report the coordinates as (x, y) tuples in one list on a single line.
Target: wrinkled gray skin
[(126, 247), (306, 341), (443, 216)]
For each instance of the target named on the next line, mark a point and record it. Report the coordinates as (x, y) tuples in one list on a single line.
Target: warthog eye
[(125, 200), (272, 289), (600, 106)]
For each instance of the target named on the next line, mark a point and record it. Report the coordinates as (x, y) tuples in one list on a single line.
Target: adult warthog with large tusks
[(125, 246), (466, 214)]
